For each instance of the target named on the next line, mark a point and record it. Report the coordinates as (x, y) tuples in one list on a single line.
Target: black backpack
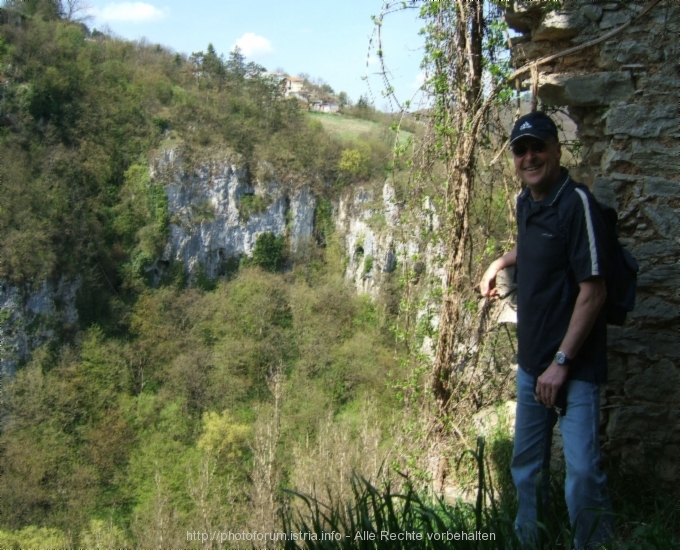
[(621, 278)]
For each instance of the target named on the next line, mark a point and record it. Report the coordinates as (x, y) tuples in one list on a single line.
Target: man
[(561, 334)]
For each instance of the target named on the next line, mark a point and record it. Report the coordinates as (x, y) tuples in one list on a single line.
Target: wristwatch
[(562, 359)]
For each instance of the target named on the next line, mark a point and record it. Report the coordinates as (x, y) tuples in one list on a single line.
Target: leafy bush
[(269, 252), (368, 264), (249, 205)]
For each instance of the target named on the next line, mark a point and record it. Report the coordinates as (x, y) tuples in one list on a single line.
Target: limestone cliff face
[(211, 222), (216, 214), (30, 318), (377, 239)]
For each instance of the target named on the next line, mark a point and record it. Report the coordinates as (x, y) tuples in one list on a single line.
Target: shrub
[(249, 205), (269, 252)]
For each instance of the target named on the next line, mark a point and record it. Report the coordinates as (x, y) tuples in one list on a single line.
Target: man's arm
[(590, 299), (488, 282)]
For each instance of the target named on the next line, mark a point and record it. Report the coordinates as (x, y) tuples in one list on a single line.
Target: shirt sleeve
[(586, 236)]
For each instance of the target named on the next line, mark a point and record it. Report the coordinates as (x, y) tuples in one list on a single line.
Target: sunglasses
[(522, 148)]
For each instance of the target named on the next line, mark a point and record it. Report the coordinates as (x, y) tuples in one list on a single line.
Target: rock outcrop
[(216, 214), (377, 240), (30, 318)]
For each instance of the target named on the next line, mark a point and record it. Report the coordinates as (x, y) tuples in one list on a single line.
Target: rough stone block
[(641, 120), (666, 220), (586, 90), (666, 275), (603, 189), (612, 19), (616, 371), (592, 12), (663, 82), (639, 422), (559, 26), (655, 308), (630, 51), (529, 50), (660, 187), (660, 383), (612, 158), (645, 342), (649, 250), (651, 156), (628, 178), (524, 17), (667, 18), (521, 39)]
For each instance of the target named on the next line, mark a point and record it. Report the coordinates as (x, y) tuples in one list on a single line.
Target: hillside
[(177, 398), (349, 127)]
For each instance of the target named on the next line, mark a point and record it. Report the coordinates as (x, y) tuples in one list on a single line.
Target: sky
[(323, 38)]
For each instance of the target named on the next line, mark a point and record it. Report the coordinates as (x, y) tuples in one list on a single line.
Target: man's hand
[(487, 285), (549, 383), (592, 294)]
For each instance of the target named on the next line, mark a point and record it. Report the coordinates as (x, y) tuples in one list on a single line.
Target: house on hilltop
[(291, 85), (324, 106)]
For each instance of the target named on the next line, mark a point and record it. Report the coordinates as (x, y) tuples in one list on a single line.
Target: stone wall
[(623, 94)]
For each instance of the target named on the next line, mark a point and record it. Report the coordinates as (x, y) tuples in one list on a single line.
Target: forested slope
[(170, 409)]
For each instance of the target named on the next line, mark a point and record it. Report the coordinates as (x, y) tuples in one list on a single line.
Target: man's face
[(537, 162)]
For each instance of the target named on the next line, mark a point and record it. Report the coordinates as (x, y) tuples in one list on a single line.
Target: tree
[(236, 64), (213, 67), (344, 99), (47, 9), (363, 103), (461, 51), (76, 10), (73, 10)]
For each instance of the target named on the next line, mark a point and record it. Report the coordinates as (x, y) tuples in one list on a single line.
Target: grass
[(386, 519), (345, 127)]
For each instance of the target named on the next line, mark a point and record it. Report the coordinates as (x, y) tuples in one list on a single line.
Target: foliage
[(249, 205), (323, 221), (269, 252), (80, 115), (34, 537), (353, 164), (114, 437), (222, 434), (368, 264)]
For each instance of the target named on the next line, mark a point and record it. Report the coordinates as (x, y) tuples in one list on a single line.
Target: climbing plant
[(467, 85)]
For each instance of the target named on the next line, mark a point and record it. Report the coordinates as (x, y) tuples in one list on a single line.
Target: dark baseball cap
[(536, 124)]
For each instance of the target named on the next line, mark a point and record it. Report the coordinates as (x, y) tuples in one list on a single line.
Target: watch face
[(560, 358)]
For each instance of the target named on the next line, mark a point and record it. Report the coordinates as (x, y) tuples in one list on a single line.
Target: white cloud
[(135, 12), (418, 81), (372, 60), (253, 45)]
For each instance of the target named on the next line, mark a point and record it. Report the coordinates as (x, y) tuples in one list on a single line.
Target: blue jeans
[(586, 485)]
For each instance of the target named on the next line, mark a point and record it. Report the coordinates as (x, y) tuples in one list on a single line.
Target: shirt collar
[(553, 194), (557, 188)]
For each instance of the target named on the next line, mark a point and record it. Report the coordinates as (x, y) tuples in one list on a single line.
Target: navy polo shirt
[(555, 252)]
